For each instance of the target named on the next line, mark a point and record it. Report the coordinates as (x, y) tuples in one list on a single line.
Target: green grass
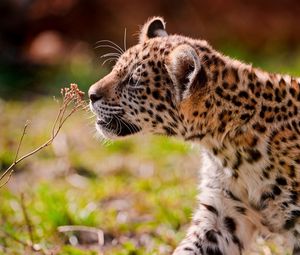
[(139, 191)]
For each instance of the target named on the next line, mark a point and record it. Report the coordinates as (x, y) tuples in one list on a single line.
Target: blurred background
[(138, 193), (47, 43)]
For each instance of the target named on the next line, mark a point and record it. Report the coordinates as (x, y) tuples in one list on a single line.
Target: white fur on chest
[(247, 186)]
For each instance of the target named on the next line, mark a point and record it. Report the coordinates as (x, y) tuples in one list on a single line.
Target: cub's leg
[(219, 227)]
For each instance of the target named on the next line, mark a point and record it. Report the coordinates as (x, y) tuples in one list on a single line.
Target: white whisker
[(114, 44), (119, 126), (112, 54), (109, 60), (109, 46), (109, 41), (111, 107), (129, 125), (125, 38), (91, 117)]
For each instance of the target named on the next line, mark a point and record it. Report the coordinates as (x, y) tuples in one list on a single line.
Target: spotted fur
[(247, 122)]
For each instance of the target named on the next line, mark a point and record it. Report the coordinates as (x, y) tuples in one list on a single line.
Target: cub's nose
[(94, 95)]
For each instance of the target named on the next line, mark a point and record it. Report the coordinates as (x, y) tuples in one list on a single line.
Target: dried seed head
[(73, 95)]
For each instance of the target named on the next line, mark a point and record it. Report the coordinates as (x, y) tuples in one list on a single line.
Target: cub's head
[(154, 87)]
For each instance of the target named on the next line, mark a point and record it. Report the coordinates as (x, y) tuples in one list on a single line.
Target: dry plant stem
[(28, 225), (70, 95), (8, 235), (27, 220), (5, 233), (30, 228), (21, 140), (47, 143), (10, 170)]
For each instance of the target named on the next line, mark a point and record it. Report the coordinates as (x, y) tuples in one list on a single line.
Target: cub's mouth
[(115, 125)]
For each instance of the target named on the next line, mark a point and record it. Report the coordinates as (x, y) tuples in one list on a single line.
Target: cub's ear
[(154, 27), (183, 66)]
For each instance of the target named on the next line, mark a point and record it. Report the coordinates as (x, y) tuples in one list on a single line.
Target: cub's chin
[(105, 134), (116, 127)]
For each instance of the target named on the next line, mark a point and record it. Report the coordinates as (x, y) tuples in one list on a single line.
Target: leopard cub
[(246, 121)]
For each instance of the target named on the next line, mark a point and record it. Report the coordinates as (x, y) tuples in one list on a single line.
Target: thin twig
[(55, 122), (21, 140)]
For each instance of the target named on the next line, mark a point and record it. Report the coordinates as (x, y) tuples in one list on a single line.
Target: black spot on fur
[(207, 104), (198, 246), (202, 77), (254, 155), (232, 196), (281, 181), (211, 236), (213, 251), (266, 196), (243, 94), (290, 223), (219, 91), (222, 127), (292, 172), (169, 131), (195, 113), (245, 116), (187, 249), (211, 209), (292, 92), (230, 224), (252, 87), (161, 107), (241, 209), (260, 128), (238, 161), (294, 197), (197, 137), (236, 102), (276, 190), (237, 241), (159, 119), (156, 94)]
